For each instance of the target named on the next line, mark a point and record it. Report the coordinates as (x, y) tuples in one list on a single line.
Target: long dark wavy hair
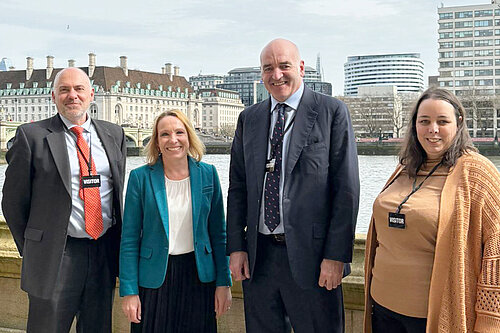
[(412, 154)]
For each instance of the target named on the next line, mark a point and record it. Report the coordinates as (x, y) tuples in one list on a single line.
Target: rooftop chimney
[(91, 64), (71, 63), (168, 70), (29, 67), (176, 70), (163, 70), (123, 64), (50, 67)]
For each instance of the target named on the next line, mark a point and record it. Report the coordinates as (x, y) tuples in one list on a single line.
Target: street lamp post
[(15, 111)]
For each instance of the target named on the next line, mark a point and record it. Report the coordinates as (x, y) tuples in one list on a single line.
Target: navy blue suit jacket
[(321, 189)]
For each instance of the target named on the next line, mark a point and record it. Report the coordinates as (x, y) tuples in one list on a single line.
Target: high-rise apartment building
[(403, 70), (469, 61), (469, 48)]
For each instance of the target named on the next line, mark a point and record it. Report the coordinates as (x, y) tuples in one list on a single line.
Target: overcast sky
[(215, 36)]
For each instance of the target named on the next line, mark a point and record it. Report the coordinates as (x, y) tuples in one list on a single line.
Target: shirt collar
[(292, 101), (69, 124)]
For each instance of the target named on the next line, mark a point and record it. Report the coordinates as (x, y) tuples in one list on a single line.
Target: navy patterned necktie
[(272, 186)]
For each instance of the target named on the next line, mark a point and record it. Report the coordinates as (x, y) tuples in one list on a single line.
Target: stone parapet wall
[(14, 302)]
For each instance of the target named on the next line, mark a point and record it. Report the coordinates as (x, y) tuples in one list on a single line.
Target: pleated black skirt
[(182, 304)]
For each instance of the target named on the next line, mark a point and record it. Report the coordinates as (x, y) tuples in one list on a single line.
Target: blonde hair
[(196, 147)]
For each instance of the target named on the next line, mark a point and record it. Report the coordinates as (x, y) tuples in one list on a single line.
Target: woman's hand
[(223, 300), (131, 306)]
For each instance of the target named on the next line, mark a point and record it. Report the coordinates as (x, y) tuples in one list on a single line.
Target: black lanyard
[(416, 187)]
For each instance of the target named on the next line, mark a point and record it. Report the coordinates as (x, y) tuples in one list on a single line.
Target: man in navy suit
[(292, 201)]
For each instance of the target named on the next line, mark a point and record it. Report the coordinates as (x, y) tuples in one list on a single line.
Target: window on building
[(463, 73), (444, 35), (463, 34), (488, 82), (483, 13), (483, 72), (465, 14), (483, 23), (463, 83), (445, 16), (483, 42), (447, 25), (483, 33), (464, 43), (464, 63), (483, 62), (446, 84), (446, 45), (483, 53), (462, 24), (446, 64), (448, 54)]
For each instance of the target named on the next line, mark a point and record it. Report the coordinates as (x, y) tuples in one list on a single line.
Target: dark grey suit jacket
[(321, 189), (37, 197)]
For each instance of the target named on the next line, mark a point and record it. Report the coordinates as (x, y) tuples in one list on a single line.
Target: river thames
[(373, 173)]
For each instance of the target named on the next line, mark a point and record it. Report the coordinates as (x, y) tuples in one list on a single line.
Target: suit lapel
[(157, 179), (196, 189), (304, 121), (57, 145), (259, 136)]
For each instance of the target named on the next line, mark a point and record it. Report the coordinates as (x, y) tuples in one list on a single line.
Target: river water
[(373, 172)]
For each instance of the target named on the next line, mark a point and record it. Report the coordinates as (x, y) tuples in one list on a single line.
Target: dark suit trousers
[(85, 289), (272, 295)]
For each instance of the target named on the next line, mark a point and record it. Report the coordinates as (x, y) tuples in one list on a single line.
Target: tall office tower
[(403, 70), (469, 61), (469, 48)]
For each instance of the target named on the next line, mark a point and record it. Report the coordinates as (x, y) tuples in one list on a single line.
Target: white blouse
[(180, 216)]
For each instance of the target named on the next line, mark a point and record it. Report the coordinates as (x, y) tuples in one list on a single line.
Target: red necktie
[(91, 196)]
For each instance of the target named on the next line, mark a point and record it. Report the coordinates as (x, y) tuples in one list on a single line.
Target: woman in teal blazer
[(174, 272)]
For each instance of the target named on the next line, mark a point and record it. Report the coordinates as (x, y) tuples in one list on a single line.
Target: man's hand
[(238, 265), (223, 300), (330, 276), (131, 306)]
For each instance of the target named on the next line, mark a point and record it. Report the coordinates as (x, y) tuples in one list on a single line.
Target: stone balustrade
[(14, 302)]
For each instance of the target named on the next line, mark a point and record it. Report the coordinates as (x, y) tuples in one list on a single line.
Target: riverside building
[(123, 96), (403, 70), (379, 111), (469, 61), (221, 109)]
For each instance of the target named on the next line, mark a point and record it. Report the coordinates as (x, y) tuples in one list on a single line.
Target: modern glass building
[(403, 70), (247, 81)]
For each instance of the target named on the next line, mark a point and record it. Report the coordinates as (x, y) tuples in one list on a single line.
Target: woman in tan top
[(433, 248)]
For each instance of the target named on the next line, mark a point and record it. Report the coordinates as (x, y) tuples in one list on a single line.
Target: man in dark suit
[(292, 201), (62, 200)]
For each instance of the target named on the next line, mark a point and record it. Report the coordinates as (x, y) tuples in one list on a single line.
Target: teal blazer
[(144, 242)]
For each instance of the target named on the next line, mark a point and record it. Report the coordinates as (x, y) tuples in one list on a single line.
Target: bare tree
[(480, 108), (227, 129)]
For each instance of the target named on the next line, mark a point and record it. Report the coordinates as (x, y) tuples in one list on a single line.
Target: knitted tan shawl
[(464, 292)]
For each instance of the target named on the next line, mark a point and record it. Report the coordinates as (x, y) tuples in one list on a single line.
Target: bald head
[(72, 94), (281, 68), (282, 45), (70, 69)]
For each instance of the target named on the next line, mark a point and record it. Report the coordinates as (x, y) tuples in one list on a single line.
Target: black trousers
[(385, 320), (84, 288), (272, 297)]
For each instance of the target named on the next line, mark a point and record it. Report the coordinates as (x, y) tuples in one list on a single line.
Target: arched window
[(93, 111)]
